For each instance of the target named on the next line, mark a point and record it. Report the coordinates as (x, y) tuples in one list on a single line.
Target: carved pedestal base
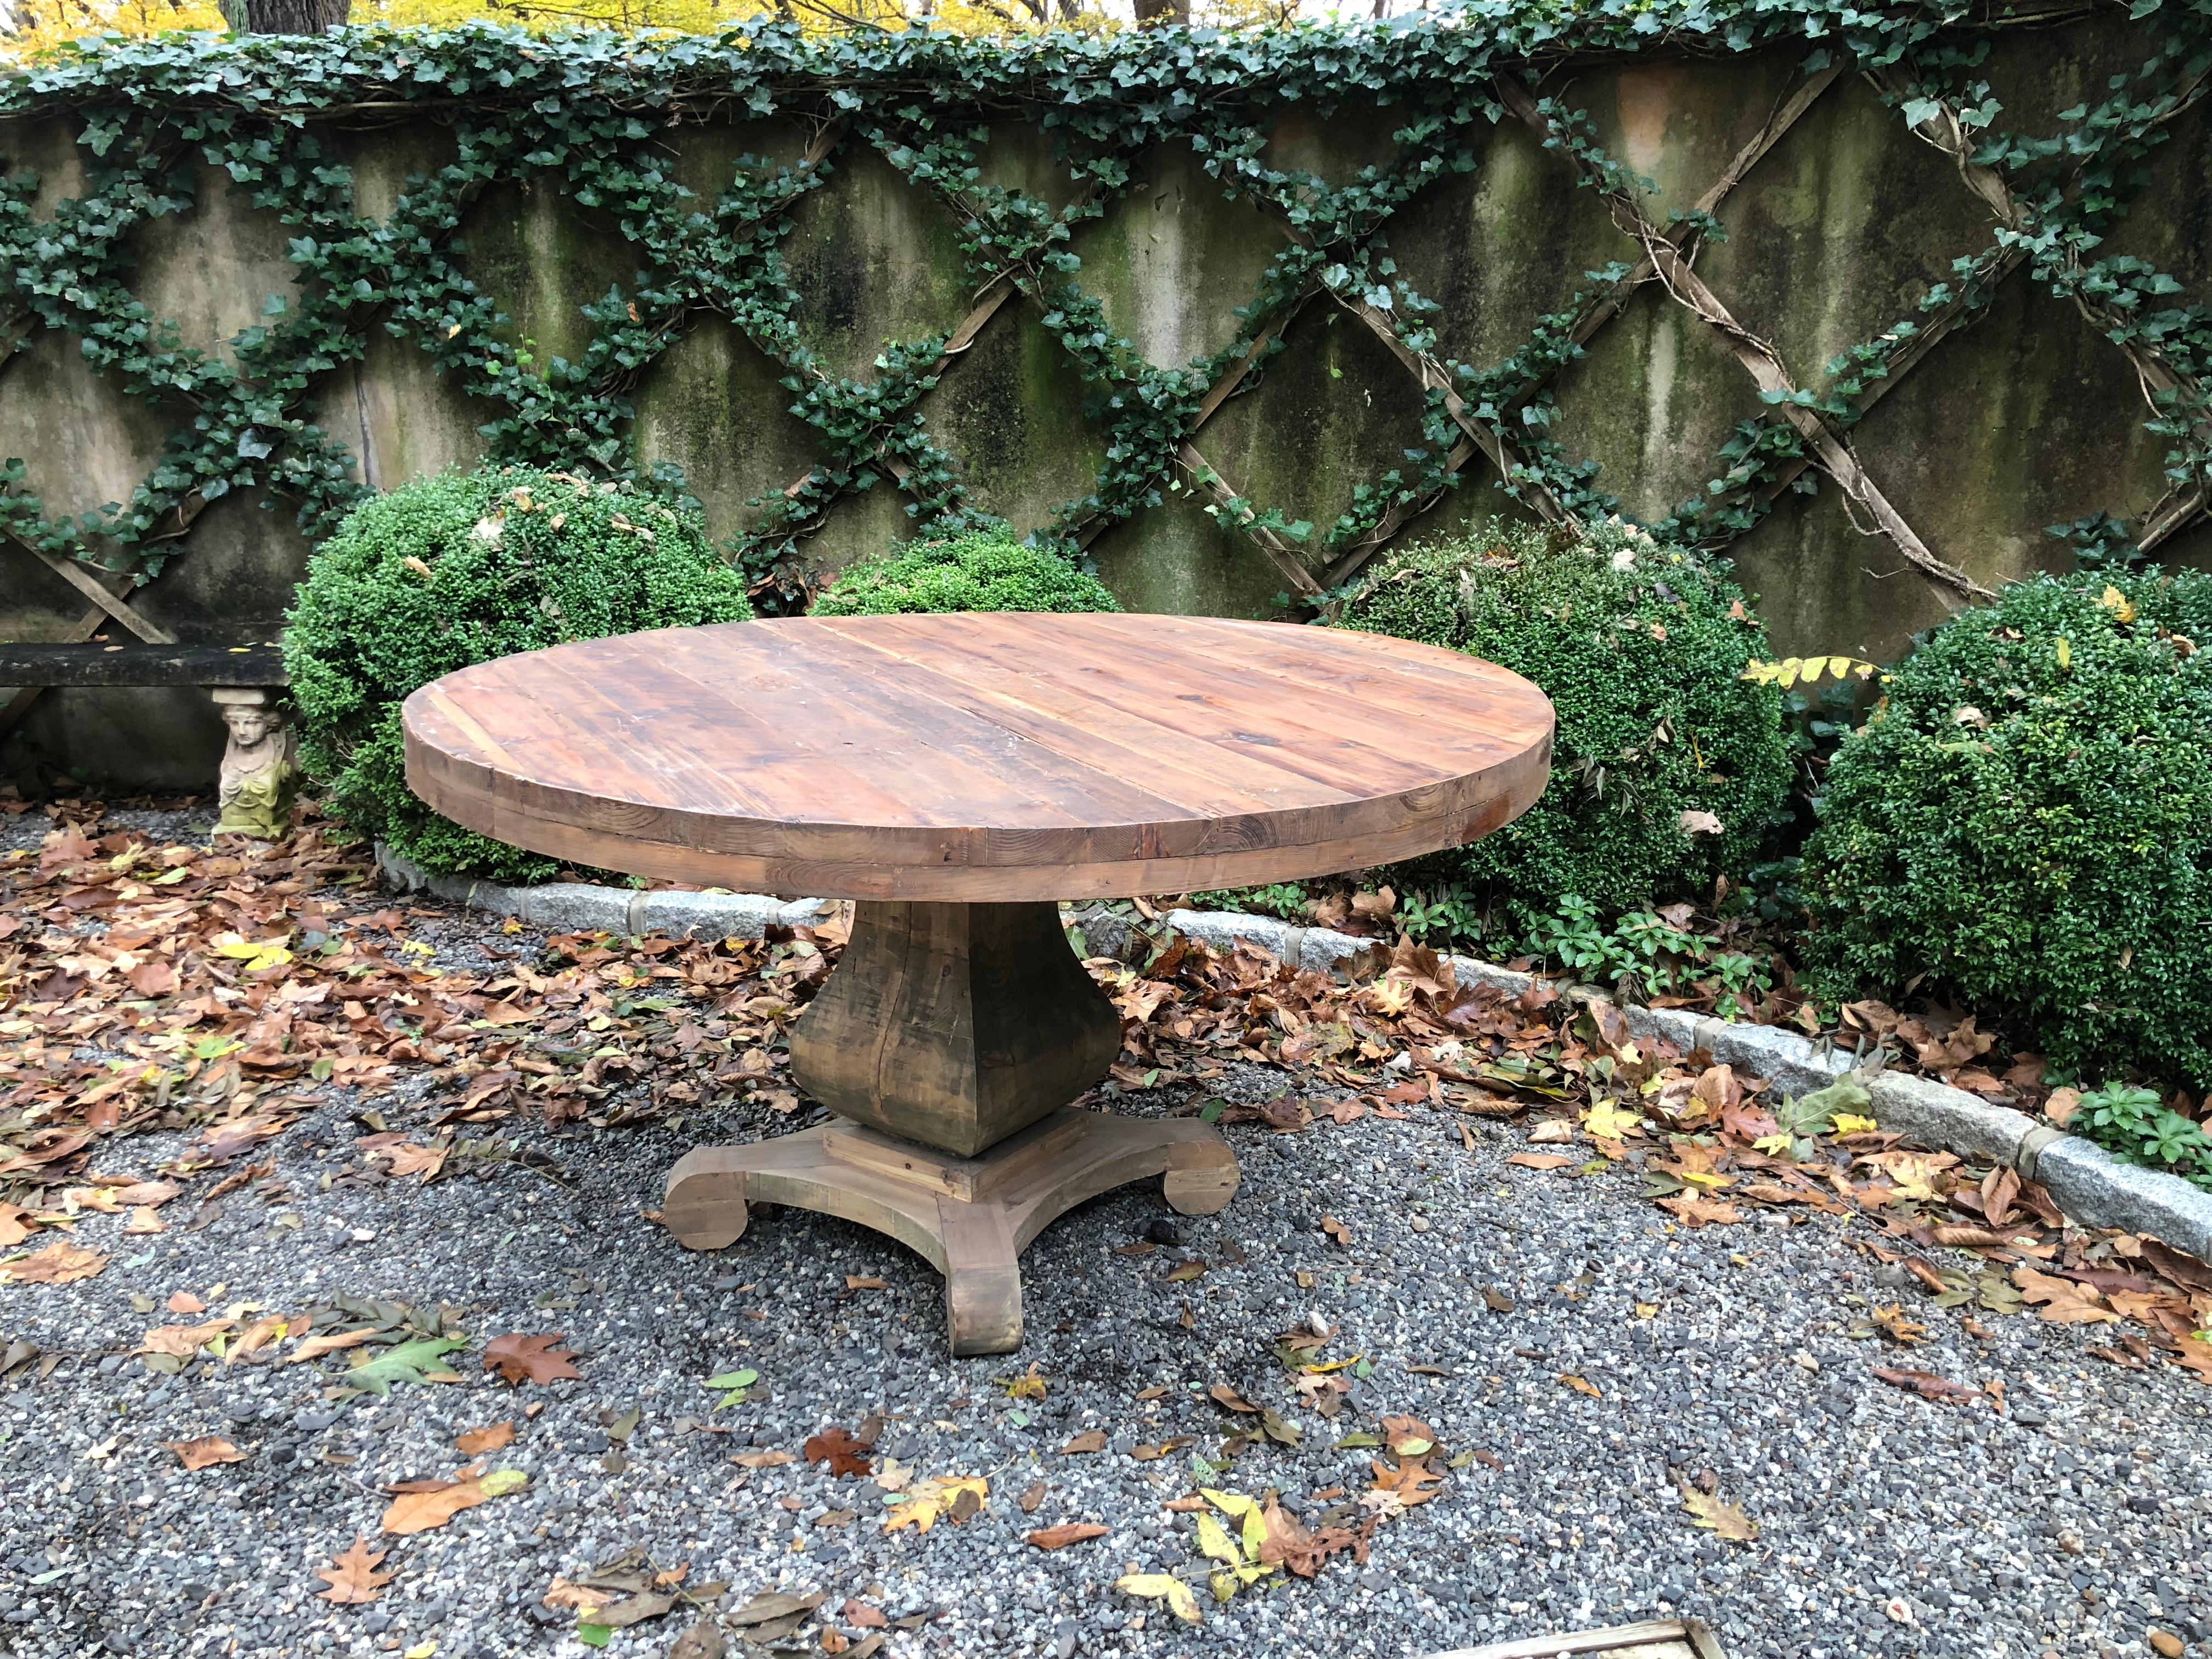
[(972, 1217)]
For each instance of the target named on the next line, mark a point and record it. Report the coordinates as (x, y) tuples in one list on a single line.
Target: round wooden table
[(957, 775)]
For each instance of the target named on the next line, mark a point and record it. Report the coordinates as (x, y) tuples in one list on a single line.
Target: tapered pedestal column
[(955, 1024), (954, 1035)]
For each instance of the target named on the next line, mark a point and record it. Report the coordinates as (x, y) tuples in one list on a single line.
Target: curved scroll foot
[(1201, 1176), (982, 1278), (705, 1205)]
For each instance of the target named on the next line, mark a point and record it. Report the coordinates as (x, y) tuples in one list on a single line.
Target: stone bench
[(246, 682)]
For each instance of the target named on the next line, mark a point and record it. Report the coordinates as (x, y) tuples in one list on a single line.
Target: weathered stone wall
[(2026, 418)]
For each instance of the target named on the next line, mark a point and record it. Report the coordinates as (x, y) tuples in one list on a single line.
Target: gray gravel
[(2068, 1528)]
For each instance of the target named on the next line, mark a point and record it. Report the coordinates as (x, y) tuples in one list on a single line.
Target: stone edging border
[(2086, 1182)]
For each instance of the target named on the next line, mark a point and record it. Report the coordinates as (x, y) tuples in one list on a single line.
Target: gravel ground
[(1888, 1525)]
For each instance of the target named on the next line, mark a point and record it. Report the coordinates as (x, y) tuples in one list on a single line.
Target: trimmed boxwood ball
[(459, 568), (2024, 825), (1641, 648), (984, 571)]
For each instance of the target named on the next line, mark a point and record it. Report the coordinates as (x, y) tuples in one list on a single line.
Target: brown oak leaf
[(840, 1450), (353, 1575), (536, 1358)]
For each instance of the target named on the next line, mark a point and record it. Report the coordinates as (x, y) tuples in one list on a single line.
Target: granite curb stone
[(2086, 1181)]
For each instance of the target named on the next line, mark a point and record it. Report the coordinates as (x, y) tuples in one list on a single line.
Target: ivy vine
[(588, 113)]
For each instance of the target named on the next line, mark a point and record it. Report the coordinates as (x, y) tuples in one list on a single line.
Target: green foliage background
[(516, 560), (2033, 836), (1641, 648), (982, 571)]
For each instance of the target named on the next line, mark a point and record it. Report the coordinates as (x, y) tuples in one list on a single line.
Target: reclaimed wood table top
[(982, 757)]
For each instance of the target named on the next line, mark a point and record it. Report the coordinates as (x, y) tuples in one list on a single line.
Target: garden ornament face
[(258, 776)]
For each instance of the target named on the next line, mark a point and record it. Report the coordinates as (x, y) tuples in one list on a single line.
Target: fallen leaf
[(184, 1302), (353, 1576), (329, 1342), (1059, 1538), (860, 1616), (1929, 1386), (1581, 1384), (2061, 1300), (858, 1282), (840, 1449), (1092, 1440), (1034, 1493), (425, 1511), (1727, 1519), (945, 1496), (537, 1358), (1540, 1160), (1696, 1210), (60, 1263), (476, 1442), (764, 1460), (205, 1453), (1160, 1586), (412, 1362)]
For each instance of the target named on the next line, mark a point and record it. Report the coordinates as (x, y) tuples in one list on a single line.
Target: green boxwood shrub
[(459, 568), (982, 571), (2025, 825), (1642, 649)]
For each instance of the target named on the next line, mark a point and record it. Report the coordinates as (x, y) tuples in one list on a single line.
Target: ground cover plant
[(459, 568)]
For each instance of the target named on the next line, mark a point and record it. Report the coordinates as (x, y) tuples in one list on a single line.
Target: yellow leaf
[(1848, 1123), (935, 1497), (2117, 602), (1158, 1586), (2065, 653), (1229, 1502), (1215, 1544), (1788, 677), (1772, 1146), (1727, 1519), (1608, 1121), (422, 1651)]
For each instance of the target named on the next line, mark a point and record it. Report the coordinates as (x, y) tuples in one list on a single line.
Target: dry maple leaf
[(1895, 1326), (353, 1575), (205, 1453), (60, 1263), (476, 1442), (537, 1358), (1059, 1538), (2061, 1300), (1396, 1491), (840, 1448), (954, 1496), (1696, 1210)]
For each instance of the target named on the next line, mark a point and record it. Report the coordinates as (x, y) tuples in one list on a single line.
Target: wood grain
[(954, 1025), (991, 757)]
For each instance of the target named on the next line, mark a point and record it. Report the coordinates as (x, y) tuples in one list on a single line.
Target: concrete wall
[(2027, 419)]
